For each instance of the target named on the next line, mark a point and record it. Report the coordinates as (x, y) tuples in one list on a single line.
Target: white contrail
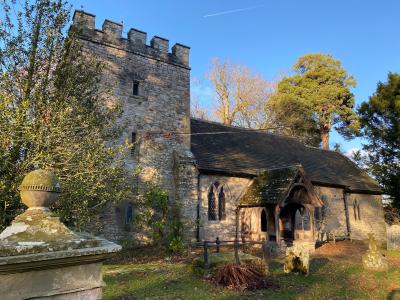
[(232, 11)]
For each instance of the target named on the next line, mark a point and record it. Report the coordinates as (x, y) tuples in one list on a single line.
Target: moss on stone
[(37, 231)]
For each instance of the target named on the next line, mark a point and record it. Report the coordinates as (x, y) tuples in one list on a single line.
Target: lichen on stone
[(373, 259), (37, 230)]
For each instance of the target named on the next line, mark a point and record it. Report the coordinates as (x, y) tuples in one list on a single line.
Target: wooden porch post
[(312, 221), (277, 225)]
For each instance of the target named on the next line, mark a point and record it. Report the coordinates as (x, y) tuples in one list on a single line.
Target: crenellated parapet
[(111, 34)]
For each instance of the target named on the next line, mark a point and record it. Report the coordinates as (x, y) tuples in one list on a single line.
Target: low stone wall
[(393, 237)]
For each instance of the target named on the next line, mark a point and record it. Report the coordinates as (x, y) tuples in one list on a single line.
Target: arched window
[(216, 202), (212, 213), (356, 210), (324, 208), (263, 221), (221, 204), (128, 213), (298, 220), (306, 219)]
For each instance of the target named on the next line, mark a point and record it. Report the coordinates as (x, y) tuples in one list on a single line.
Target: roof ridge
[(263, 131), (221, 124)]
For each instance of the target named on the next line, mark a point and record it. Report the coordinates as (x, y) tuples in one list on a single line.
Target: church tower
[(152, 84)]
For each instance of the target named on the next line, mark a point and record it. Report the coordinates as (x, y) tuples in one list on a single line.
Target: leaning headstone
[(297, 259), (41, 258), (373, 259), (393, 237)]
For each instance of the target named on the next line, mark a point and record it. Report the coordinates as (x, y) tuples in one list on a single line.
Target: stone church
[(230, 182)]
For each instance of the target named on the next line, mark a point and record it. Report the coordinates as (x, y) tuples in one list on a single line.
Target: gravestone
[(393, 237), (373, 259), (40, 258), (297, 259)]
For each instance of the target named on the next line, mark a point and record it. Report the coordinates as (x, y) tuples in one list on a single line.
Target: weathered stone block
[(297, 260), (72, 282), (112, 30), (181, 52), (83, 19), (160, 43), (137, 37), (393, 237)]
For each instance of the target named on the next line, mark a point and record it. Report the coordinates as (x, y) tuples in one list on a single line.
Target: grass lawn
[(336, 273)]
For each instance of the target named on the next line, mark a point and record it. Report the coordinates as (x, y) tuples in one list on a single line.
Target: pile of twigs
[(242, 277)]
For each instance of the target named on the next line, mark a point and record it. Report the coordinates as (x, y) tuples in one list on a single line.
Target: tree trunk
[(325, 137)]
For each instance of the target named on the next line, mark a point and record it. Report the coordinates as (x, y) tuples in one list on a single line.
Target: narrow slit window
[(221, 204), (263, 221), (356, 210), (133, 141), (135, 89), (128, 213)]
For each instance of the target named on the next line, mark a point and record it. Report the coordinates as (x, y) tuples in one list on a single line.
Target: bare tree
[(241, 94), (197, 110)]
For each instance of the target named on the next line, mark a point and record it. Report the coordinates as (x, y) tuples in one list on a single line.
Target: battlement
[(111, 34)]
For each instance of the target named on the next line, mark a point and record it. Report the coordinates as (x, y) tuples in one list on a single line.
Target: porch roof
[(270, 187)]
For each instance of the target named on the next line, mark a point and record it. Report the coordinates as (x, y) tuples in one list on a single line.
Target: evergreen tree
[(53, 113), (315, 99), (380, 120)]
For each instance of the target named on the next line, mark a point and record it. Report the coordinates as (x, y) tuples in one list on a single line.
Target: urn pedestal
[(40, 258)]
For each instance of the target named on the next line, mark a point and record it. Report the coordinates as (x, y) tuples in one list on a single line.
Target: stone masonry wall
[(334, 209), (371, 212), (224, 229), (250, 217), (160, 111), (371, 217)]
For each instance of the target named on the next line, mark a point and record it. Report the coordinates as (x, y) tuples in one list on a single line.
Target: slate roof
[(240, 151)]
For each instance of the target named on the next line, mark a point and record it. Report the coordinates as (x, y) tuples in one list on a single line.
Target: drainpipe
[(237, 223), (346, 209)]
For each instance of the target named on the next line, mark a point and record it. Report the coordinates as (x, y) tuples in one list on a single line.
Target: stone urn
[(40, 188), (41, 258)]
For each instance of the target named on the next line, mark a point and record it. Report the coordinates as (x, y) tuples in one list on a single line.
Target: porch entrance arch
[(296, 216)]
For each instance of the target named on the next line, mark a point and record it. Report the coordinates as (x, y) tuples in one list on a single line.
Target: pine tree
[(380, 120), (315, 99)]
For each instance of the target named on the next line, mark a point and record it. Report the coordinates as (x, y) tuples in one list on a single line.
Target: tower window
[(128, 213), (133, 142), (135, 89)]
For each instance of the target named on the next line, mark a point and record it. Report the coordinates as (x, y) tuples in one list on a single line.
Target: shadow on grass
[(394, 295), (328, 279)]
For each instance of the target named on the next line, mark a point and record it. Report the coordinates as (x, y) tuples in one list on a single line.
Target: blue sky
[(269, 35)]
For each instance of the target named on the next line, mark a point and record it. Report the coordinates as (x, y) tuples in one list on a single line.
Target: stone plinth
[(67, 274), (40, 258)]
